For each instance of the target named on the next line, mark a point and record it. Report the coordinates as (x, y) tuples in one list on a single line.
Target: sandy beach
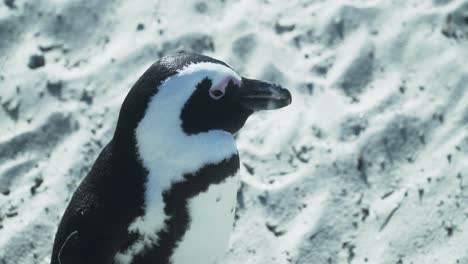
[(369, 164)]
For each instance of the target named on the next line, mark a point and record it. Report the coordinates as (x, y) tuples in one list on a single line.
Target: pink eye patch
[(218, 90)]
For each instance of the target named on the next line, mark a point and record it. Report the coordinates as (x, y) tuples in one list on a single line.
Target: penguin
[(163, 190)]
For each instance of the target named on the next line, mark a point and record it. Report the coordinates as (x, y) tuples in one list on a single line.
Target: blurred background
[(368, 165)]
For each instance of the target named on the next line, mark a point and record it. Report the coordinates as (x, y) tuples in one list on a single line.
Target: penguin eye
[(216, 94), (219, 89)]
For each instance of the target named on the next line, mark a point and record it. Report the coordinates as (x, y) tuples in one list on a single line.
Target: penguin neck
[(170, 154)]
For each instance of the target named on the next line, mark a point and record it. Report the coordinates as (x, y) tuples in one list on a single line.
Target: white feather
[(212, 218)]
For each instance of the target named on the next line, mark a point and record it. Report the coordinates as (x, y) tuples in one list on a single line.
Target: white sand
[(368, 165)]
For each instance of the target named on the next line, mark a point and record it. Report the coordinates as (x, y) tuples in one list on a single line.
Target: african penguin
[(163, 190)]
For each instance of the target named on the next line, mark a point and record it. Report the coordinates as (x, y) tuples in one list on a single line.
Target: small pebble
[(36, 61), (10, 3), (140, 27)]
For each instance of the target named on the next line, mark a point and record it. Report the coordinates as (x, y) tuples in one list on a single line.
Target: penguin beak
[(258, 95)]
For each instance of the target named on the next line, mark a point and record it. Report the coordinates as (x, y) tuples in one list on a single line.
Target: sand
[(368, 165)]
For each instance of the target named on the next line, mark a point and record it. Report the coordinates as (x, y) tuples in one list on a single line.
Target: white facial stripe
[(168, 153), (213, 70)]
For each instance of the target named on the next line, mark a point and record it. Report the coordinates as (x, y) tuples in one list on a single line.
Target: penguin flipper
[(70, 251)]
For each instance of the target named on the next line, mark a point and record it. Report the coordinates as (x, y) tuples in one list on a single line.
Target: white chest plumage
[(212, 217), (168, 154)]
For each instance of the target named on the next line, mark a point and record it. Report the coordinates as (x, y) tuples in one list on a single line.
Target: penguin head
[(196, 94), (222, 100)]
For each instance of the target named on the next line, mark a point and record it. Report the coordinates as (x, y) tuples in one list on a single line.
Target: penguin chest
[(211, 221)]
